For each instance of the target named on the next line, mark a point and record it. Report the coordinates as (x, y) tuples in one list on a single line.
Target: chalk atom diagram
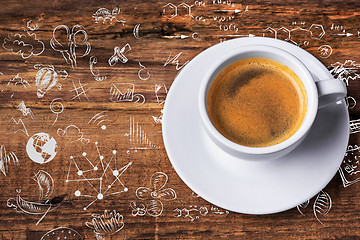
[(98, 177)]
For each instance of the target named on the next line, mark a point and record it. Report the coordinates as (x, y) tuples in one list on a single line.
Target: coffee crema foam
[(257, 102)]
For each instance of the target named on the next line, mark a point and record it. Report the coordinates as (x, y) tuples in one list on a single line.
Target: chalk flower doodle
[(124, 92), (345, 71), (26, 44), (73, 134), (104, 15), (62, 233), (106, 224), (47, 78), (70, 43), (155, 194), (41, 148), (7, 158)]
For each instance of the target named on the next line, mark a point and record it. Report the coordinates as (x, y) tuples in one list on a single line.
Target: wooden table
[(87, 80)]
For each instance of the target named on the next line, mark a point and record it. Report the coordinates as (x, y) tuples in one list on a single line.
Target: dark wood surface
[(161, 37)]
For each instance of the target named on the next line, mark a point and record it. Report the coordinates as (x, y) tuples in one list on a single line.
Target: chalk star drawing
[(102, 175)]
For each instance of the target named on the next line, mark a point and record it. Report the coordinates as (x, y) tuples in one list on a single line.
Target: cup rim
[(306, 78)]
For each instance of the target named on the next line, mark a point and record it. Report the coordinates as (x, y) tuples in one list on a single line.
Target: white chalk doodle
[(175, 60), (99, 119), (160, 93), (136, 31), (324, 51), (6, 159), (79, 91), (19, 126), (350, 102), (137, 137), (124, 92), (303, 206), (196, 212), (119, 55), (31, 25), (45, 183), (138, 209), (350, 167), (25, 110), (102, 175), (73, 134), (143, 73), (106, 224), (322, 205), (158, 119), (182, 10), (57, 108), (346, 72), (182, 36), (69, 45), (26, 44), (95, 72), (41, 148), (62, 233), (104, 15), (17, 80), (354, 126), (154, 195), (47, 78)]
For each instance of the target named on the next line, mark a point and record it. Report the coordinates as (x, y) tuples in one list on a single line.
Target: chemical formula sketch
[(47, 77), (175, 60), (196, 212), (124, 92), (119, 55), (57, 108), (7, 159), (346, 72), (72, 133), (95, 72), (19, 126), (105, 15), (99, 119), (41, 148), (153, 195), (98, 175), (349, 169), (138, 138), (79, 91), (106, 224), (65, 41), (62, 233), (170, 10), (25, 110)]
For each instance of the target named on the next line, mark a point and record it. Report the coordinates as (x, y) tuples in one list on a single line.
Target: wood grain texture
[(159, 38)]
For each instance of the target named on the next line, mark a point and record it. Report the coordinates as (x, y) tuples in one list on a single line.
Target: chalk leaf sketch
[(105, 15), (79, 91), (196, 212), (136, 31), (98, 176), (17, 80), (70, 43), (349, 169), (26, 44), (25, 110), (62, 233), (119, 55), (175, 60), (41, 148), (47, 78), (106, 224), (95, 72), (347, 71), (6, 159), (99, 119), (19, 126), (124, 92), (322, 205), (57, 108), (138, 138), (154, 195), (72, 133), (143, 73)]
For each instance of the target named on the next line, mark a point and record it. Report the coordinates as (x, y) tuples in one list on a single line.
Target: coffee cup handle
[(330, 90)]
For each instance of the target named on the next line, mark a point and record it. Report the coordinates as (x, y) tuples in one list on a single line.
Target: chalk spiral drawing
[(72, 133), (95, 72), (62, 233), (124, 92), (19, 126), (25, 110), (7, 159), (349, 169), (68, 45), (47, 78), (57, 108), (119, 55), (105, 15), (41, 148), (196, 212), (101, 174)]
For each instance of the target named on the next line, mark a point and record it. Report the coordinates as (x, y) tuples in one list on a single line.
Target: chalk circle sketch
[(99, 118), (119, 55), (6, 159), (26, 44), (79, 90), (47, 78), (349, 169), (196, 212), (62, 233), (70, 42), (106, 224), (72, 133), (95, 72), (136, 31), (41, 148), (346, 72), (57, 108), (324, 51), (124, 92), (143, 73), (104, 15), (25, 110), (19, 126)]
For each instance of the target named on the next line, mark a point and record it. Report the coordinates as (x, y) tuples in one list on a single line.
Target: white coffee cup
[(319, 94)]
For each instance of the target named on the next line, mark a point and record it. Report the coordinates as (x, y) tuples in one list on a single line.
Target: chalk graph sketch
[(119, 55), (106, 224), (98, 176), (62, 233), (105, 15), (195, 212), (41, 148), (7, 159), (153, 195), (124, 92), (25, 110), (65, 41), (175, 60), (47, 78), (95, 72), (99, 119), (346, 71), (44, 204), (138, 138), (350, 167), (72, 133)]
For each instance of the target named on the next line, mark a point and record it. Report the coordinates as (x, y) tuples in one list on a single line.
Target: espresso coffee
[(257, 102)]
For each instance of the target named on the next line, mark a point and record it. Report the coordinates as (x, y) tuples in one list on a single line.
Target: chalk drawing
[(17, 80), (175, 60), (72, 133), (106, 224), (47, 78), (41, 148), (45, 183), (136, 31), (25, 110), (62, 233), (303, 206), (99, 119), (101, 175), (6, 159), (119, 55), (57, 108), (354, 126), (19, 126), (95, 72), (346, 72), (105, 15), (79, 91), (350, 102), (124, 92), (196, 212), (160, 93), (143, 73), (324, 51), (69, 45), (350, 167)]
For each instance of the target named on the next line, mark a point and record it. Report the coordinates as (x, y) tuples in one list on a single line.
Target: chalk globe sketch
[(41, 148)]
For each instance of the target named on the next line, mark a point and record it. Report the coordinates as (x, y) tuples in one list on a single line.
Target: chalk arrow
[(249, 35), (172, 37), (343, 34), (229, 10)]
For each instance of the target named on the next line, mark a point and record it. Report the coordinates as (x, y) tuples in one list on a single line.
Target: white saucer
[(237, 185)]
